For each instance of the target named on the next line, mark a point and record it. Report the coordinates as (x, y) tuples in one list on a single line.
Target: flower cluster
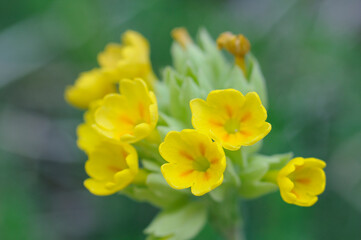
[(195, 131), (115, 120)]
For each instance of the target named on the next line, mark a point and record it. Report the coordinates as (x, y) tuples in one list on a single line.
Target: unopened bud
[(181, 36)]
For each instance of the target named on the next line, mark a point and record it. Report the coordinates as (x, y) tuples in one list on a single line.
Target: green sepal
[(231, 175), (179, 57), (215, 61), (167, 123), (150, 165), (236, 80), (195, 56), (204, 85), (172, 122), (192, 56), (253, 184), (256, 80), (218, 193), (189, 91), (161, 91), (163, 130), (181, 223), (208, 45), (157, 192), (249, 150), (176, 108)]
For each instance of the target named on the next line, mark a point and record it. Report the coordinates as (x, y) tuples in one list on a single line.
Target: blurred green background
[(310, 54)]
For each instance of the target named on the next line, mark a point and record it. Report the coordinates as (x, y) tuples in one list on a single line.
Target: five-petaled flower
[(129, 60), (194, 160), (230, 118), (90, 86), (111, 166), (301, 180), (129, 116)]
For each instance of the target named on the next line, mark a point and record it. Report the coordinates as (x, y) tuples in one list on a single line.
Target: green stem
[(234, 232), (226, 217)]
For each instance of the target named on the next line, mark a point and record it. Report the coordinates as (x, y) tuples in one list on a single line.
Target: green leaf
[(184, 222)]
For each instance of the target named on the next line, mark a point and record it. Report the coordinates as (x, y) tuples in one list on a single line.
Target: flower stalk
[(227, 218)]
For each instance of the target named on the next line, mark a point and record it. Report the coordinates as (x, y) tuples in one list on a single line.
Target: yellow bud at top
[(237, 45), (302, 180), (230, 118), (129, 59), (181, 35), (194, 160), (90, 86)]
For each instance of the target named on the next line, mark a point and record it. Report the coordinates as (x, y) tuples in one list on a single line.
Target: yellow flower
[(88, 137), (129, 60), (194, 160), (111, 166), (129, 116), (230, 118), (301, 180), (90, 86)]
